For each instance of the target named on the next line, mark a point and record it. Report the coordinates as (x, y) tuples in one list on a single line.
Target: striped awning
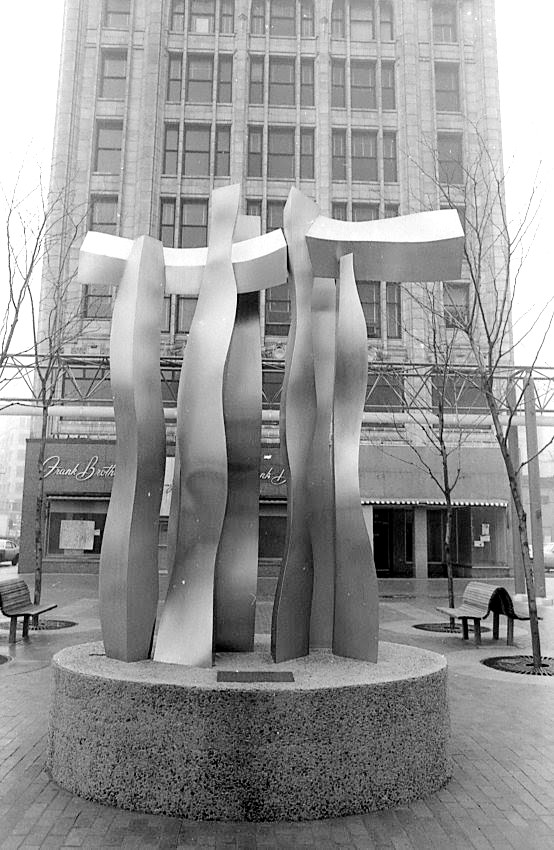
[(457, 503)]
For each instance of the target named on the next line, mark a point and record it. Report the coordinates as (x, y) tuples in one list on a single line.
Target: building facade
[(367, 106)]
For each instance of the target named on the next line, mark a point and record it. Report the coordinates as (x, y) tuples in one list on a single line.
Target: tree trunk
[(40, 513), (448, 556)]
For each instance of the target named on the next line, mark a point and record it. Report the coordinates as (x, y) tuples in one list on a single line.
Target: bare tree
[(41, 231), (495, 249)]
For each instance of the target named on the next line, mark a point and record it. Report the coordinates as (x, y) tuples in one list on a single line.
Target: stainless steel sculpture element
[(211, 595), (290, 627), (328, 559), (128, 589), (186, 631), (236, 569), (356, 612)]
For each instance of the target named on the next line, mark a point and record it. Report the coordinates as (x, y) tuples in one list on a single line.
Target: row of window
[(354, 84), (359, 20)]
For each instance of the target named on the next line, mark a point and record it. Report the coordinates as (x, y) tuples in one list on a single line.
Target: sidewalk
[(501, 794)]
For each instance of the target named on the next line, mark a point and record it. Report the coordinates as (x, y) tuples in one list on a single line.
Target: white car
[(9, 551)]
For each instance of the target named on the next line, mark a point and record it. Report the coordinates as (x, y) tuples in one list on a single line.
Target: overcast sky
[(30, 35)]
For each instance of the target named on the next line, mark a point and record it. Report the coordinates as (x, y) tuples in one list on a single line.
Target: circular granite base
[(344, 737)]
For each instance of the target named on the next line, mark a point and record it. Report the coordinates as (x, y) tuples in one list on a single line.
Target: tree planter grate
[(44, 625), (520, 664), (445, 627)]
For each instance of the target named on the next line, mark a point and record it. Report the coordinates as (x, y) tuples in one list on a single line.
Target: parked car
[(9, 551)]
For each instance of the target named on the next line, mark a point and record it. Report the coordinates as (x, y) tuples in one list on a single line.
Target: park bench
[(15, 601), (478, 601)]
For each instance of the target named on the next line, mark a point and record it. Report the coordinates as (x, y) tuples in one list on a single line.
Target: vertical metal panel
[(186, 625), (128, 588), (356, 627), (320, 476), (290, 628), (236, 572)]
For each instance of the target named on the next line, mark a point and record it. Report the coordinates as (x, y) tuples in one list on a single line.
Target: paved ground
[(501, 794)]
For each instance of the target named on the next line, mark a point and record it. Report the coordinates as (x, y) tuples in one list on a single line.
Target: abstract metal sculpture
[(327, 590), (328, 569)]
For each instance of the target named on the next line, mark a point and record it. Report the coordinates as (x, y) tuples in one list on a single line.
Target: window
[(171, 147), (114, 74), (456, 304), (459, 392), (390, 172), (194, 223), (254, 207), (227, 16), (394, 310), (281, 81), (365, 212), (225, 79), (338, 85), (337, 19), (338, 211), (257, 17), (283, 17), (370, 297), (200, 71), (167, 222), (177, 23), (277, 310), (364, 155), (385, 391), (165, 325), (255, 151), (361, 20), (174, 77), (103, 214), (306, 154), (256, 90), (196, 161), (388, 88), (117, 14), (272, 384), (445, 25), (362, 85), (109, 138), (447, 90), (449, 151), (307, 82), (386, 21), (338, 141), (83, 384), (275, 211), (202, 16), (97, 301), (307, 29), (185, 313), (280, 164), (222, 151), (391, 210)]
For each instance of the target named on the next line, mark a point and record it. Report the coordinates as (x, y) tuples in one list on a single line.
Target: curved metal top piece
[(258, 263), (423, 246)]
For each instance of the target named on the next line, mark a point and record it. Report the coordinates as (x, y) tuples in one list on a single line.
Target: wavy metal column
[(290, 627), (320, 474), (236, 570), (356, 626), (187, 622), (128, 589)]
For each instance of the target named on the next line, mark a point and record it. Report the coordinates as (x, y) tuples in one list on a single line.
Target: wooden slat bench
[(478, 601), (15, 601)]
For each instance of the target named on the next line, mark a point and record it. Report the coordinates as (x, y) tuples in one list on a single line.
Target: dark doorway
[(382, 540)]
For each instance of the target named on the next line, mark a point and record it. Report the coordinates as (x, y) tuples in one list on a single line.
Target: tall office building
[(367, 106)]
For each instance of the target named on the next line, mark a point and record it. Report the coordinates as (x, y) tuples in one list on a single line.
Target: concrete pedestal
[(344, 737)]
